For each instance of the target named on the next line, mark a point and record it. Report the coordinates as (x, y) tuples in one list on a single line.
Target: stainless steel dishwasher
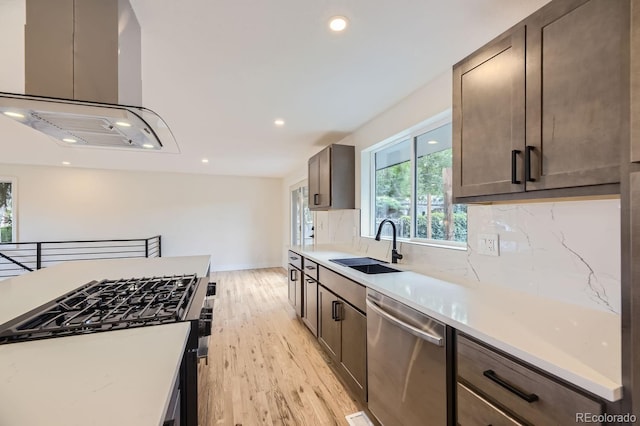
[(406, 361)]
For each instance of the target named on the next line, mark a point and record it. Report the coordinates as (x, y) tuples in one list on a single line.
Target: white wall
[(237, 220)]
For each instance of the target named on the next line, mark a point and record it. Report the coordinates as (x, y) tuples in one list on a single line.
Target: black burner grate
[(106, 305)]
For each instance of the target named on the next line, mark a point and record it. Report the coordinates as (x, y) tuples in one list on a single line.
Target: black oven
[(200, 314)]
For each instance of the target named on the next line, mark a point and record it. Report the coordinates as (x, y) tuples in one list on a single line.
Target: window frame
[(304, 238), (14, 206), (370, 153)]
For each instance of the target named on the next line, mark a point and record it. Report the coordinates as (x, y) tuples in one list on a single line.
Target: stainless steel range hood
[(82, 74)]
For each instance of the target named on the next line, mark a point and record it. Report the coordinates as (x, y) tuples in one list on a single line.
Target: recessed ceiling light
[(205, 160), (279, 122), (66, 163), (147, 145), (123, 124), (432, 142), (338, 23), (69, 140), (13, 114)]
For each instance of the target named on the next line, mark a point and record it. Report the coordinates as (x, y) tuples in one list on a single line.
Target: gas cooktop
[(106, 305)]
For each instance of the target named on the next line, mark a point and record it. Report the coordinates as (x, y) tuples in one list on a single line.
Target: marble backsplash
[(336, 227), (565, 250)]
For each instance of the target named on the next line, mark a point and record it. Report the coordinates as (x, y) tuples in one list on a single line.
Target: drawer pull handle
[(529, 397), (310, 267)]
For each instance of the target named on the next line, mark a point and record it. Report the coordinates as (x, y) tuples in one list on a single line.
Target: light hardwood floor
[(265, 367)]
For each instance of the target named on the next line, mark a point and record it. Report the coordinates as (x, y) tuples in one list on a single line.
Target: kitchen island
[(123, 377)]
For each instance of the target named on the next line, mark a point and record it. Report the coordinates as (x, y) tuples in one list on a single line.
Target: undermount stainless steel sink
[(375, 268), (368, 265)]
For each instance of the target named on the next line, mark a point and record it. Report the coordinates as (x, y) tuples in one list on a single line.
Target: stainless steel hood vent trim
[(90, 124)]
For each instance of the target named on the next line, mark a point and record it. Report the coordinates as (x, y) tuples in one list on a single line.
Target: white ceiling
[(219, 73)]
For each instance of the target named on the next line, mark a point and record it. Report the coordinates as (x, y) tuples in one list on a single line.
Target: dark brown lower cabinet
[(310, 304), (342, 332), (295, 289), (496, 389)]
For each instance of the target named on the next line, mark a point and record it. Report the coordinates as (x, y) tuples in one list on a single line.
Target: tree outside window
[(6, 211), (393, 187), (437, 218)]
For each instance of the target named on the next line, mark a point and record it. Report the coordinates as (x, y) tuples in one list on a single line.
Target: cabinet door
[(314, 181), (320, 180), (488, 118), (299, 305), (293, 281), (354, 345), (310, 311), (328, 325), (577, 92), (324, 180)]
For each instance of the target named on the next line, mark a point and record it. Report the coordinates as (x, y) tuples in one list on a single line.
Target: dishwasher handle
[(436, 340)]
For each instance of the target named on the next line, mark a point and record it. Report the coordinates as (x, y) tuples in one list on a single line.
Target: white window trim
[(368, 174), (14, 206)]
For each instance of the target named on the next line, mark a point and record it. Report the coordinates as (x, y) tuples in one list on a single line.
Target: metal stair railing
[(21, 257)]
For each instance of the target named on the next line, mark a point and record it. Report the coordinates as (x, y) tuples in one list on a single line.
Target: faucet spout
[(394, 252)]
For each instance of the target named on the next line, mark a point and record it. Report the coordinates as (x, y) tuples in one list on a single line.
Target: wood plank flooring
[(265, 367)]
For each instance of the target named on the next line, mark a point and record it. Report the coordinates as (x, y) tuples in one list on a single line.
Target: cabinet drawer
[(295, 259), (350, 291), (310, 269), (519, 389), (473, 410)]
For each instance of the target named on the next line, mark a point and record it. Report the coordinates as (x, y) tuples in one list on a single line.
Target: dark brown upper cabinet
[(332, 178), (489, 117), (545, 106)]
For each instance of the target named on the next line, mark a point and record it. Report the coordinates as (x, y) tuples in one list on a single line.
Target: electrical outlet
[(489, 244)]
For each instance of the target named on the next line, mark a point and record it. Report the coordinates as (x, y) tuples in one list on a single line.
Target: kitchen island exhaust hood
[(91, 124), (82, 76)]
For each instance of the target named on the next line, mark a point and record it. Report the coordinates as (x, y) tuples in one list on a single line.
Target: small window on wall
[(7, 210), (413, 187)]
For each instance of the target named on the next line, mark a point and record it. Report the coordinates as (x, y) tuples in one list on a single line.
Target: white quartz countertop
[(25, 292), (122, 377), (574, 343)]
